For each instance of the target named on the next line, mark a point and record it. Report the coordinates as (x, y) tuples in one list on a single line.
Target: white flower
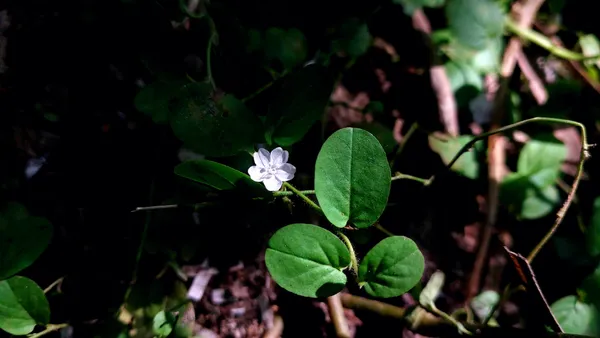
[(271, 168)]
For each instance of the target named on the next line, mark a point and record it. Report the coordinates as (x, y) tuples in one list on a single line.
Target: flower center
[(272, 170)]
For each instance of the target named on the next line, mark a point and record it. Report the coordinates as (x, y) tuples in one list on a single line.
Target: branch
[(336, 312), (422, 322), (49, 329)]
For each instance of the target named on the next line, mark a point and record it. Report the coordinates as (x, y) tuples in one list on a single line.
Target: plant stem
[(582, 157), (544, 42), (304, 197), (49, 328), (208, 61), (402, 144), (289, 193), (382, 229), (55, 283), (353, 260), (401, 176)]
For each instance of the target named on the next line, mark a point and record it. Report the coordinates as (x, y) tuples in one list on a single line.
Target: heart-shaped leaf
[(290, 47), (576, 317), (300, 102), (475, 23), (592, 234), (23, 306), (307, 260), (392, 267), (24, 238), (154, 98), (218, 176), (213, 126), (466, 165), (352, 178)]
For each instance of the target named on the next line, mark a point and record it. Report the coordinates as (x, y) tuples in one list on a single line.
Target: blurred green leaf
[(410, 6), (288, 46), (299, 103), (213, 126), (590, 47), (307, 260), (163, 324), (465, 82), (484, 303), (541, 159), (563, 95), (576, 317), (23, 305), (526, 199), (475, 24), (384, 135), (467, 164), (24, 238), (154, 98), (391, 268), (355, 38)]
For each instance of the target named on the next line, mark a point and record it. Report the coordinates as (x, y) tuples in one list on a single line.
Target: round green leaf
[(307, 260), (290, 47), (23, 239), (410, 6), (576, 317), (23, 306), (300, 102), (475, 23), (466, 165), (154, 98), (352, 178), (592, 234), (392, 267), (217, 176), (210, 126)]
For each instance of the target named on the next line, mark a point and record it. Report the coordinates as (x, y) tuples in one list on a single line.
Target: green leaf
[(475, 23), (299, 103), (391, 268), (410, 6), (290, 47), (465, 82), (467, 164), (23, 306), (590, 287), (154, 98), (590, 47), (213, 126), (542, 158), (307, 260), (352, 178), (217, 176), (23, 239), (576, 317), (592, 234), (162, 325), (527, 199), (484, 303), (355, 38)]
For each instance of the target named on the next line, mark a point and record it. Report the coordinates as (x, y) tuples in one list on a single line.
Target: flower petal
[(272, 183), (256, 173), (261, 158), (277, 157), (285, 172)]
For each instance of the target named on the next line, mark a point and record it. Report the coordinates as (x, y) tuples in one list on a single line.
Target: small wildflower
[(271, 168)]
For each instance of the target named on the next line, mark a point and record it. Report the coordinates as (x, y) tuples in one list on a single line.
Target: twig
[(49, 329), (536, 85), (578, 68), (440, 82), (156, 207), (423, 322), (208, 60), (384, 230), (336, 312), (289, 193), (276, 330), (55, 283), (582, 157), (544, 42), (401, 176), (402, 144)]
